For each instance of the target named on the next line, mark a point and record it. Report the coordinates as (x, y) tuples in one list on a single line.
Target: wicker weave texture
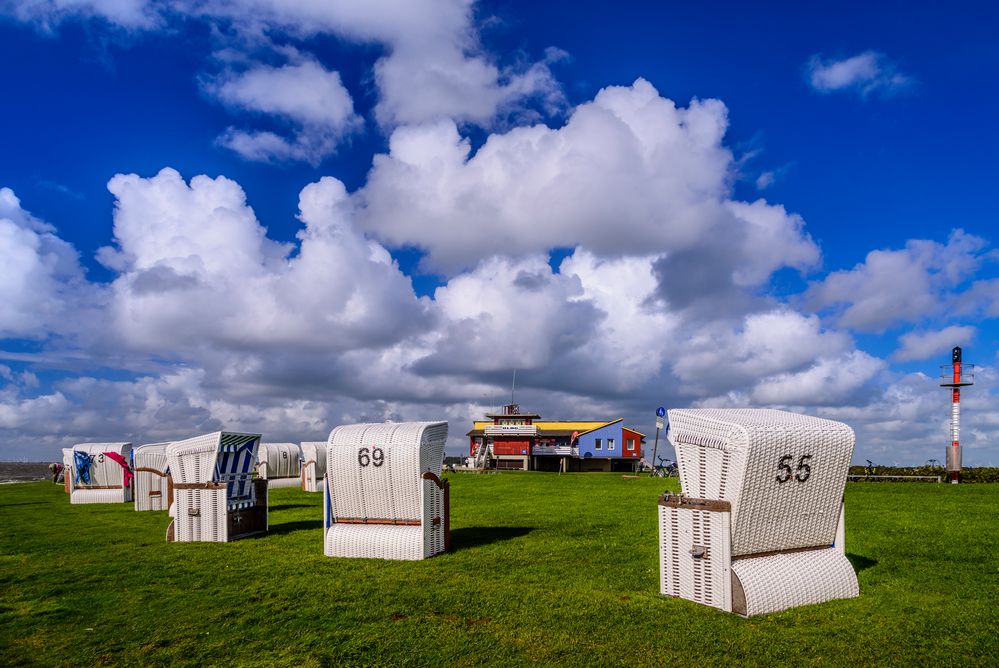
[(375, 541), (193, 460), (840, 543), (782, 581), (151, 490), (385, 486), (83, 495), (284, 482), (200, 515), (67, 464), (433, 509), (374, 473), (104, 473), (313, 465), (226, 457), (783, 473), (694, 556), (279, 461)]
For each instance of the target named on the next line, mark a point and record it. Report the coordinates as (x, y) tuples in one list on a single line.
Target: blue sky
[(716, 205)]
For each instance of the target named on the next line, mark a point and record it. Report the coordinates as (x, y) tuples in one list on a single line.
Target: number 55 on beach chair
[(383, 495), (758, 527)]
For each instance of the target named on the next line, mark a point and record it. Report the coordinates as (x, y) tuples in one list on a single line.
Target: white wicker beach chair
[(280, 464), (67, 467), (216, 497), (153, 485), (96, 473), (759, 525), (314, 466), (383, 494)]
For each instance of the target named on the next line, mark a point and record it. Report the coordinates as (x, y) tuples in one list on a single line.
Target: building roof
[(554, 427), (605, 424), (512, 415)]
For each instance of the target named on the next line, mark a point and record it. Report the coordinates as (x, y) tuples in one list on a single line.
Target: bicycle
[(665, 469), (871, 468)]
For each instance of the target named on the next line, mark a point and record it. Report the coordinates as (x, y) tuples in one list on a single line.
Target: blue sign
[(660, 412)]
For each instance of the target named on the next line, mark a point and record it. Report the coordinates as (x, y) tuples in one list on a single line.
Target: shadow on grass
[(476, 536), (289, 527), (26, 503), (860, 563), (288, 506)]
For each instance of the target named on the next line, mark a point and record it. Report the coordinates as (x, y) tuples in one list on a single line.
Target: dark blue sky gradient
[(864, 173)]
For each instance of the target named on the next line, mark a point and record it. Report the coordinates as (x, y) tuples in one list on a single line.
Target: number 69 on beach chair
[(383, 494), (758, 527)]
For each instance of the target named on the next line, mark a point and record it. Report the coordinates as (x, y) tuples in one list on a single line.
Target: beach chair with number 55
[(759, 526)]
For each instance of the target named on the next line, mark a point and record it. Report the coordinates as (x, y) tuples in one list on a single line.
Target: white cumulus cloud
[(130, 14), (866, 73), (196, 269), (629, 173), (923, 345), (433, 66), (310, 98), (893, 286), (40, 275)]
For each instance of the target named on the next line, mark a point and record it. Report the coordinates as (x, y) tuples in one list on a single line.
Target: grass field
[(546, 569)]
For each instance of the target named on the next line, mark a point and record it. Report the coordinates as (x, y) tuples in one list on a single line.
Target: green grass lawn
[(546, 569)]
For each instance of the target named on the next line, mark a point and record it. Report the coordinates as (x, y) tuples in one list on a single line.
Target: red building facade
[(516, 440)]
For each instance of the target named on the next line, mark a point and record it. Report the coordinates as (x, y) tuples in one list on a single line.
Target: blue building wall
[(588, 442)]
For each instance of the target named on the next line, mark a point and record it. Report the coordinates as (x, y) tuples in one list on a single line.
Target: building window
[(631, 444), (598, 444), (610, 443)]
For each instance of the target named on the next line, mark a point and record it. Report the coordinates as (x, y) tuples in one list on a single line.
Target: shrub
[(969, 474)]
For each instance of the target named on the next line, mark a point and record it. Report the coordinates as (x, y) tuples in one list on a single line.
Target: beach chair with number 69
[(383, 494)]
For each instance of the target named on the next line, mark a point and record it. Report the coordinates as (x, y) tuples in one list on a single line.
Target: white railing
[(482, 456), (511, 430), (560, 450), (935, 478)]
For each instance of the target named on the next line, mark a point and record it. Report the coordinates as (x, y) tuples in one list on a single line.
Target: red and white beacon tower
[(955, 377)]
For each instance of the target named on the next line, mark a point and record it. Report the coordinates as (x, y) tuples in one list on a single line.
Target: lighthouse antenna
[(513, 386)]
